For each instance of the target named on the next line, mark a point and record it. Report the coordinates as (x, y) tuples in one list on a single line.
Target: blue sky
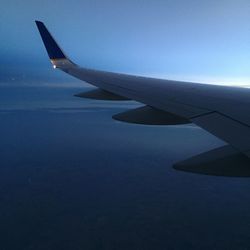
[(186, 40)]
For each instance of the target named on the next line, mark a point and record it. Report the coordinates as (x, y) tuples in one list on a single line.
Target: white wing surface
[(223, 111)]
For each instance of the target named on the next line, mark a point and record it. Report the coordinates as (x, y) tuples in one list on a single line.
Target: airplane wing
[(221, 110)]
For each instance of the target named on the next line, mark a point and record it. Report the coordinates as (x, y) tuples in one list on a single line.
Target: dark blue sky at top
[(189, 40)]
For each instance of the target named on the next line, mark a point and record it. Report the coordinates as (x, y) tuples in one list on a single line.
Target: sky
[(54, 189), (205, 41)]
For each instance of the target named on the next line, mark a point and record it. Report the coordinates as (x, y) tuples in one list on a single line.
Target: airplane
[(224, 111)]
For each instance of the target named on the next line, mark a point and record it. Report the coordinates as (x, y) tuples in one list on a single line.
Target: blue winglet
[(53, 50)]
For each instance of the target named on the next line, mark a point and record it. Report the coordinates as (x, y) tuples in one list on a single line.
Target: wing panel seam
[(219, 113)]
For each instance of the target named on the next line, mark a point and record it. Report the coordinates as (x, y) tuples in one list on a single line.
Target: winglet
[(53, 49)]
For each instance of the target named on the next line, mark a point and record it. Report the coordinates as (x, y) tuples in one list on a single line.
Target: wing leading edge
[(221, 110)]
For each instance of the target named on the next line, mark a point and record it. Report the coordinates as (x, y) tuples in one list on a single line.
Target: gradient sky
[(186, 40)]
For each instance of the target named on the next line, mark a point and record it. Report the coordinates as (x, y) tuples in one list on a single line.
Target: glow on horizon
[(223, 81), (197, 41)]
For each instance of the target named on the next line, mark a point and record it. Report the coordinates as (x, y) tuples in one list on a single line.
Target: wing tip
[(53, 49)]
